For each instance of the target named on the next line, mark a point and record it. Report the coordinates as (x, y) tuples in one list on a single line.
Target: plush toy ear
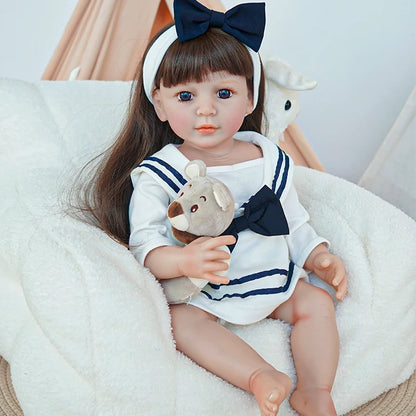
[(222, 195), (195, 168), (285, 76)]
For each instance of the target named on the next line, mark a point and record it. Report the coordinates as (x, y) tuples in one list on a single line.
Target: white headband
[(157, 52)]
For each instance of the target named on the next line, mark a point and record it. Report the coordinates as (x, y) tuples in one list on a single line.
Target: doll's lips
[(206, 129)]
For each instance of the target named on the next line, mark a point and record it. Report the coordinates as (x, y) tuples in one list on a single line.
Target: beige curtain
[(105, 39)]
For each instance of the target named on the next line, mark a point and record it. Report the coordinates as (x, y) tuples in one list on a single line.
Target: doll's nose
[(206, 108)]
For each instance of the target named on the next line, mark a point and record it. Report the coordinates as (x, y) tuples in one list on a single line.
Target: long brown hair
[(106, 197)]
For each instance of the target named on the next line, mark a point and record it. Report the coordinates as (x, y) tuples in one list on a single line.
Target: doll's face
[(205, 114)]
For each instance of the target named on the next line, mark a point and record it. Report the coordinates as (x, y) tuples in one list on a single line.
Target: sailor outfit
[(264, 270)]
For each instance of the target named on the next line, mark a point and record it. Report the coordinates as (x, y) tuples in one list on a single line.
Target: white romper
[(264, 270)]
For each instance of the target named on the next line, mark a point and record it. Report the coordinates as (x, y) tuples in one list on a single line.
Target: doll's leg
[(315, 347), (199, 336)]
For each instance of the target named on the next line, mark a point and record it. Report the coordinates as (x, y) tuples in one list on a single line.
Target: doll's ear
[(158, 105), (249, 107)]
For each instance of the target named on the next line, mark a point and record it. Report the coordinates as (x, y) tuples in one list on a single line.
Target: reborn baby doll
[(200, 95)]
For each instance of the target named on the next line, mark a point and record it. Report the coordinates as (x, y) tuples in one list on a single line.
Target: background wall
[(29, 33), (363, 55)]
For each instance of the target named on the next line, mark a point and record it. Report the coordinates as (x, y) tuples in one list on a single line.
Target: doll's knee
[(321, 304), (314, 302)]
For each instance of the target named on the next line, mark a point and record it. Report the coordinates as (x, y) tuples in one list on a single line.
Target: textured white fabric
[(86, 329)]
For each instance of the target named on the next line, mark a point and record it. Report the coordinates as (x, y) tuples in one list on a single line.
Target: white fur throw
[(86, 329)]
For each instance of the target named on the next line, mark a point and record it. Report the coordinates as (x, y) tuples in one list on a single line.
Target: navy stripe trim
[(277, 171), (162, 176), (257, 292), (171, 169), (251, 277), (284, 178)]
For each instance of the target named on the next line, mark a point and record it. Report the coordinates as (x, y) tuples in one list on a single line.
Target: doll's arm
[(328, 268), (309, 250), (302, 238), (198, 259)]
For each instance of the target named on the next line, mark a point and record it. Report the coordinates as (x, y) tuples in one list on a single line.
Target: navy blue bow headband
[(246, 21)]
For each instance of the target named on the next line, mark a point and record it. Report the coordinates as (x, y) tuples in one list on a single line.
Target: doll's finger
[(322, 261), (325, 262), (341, 295), (217, 266), (218, 255), (342, 290), (215, 278), (339, 277), (223, 240)]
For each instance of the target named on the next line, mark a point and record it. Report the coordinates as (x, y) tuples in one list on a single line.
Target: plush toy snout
[(177, 217)]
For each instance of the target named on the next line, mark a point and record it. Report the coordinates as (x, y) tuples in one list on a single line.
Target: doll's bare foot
[(313, 402), (270, 387)]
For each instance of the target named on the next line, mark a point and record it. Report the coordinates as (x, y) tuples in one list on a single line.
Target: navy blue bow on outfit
[(245, 21), (263, 214)]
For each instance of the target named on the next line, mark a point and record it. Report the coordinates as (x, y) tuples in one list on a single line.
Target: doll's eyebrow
[(226, 80)]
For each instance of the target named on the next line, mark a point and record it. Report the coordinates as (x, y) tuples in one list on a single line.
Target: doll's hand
[(201, 258), (328, 268)]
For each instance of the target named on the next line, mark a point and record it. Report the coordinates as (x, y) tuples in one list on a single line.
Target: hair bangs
[(212, 52)]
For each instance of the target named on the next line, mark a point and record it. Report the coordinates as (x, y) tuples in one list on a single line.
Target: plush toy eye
[(288, 105), (194, 208), (204, 198), (181, 194)]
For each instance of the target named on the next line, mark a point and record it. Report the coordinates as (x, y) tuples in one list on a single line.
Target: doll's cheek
[(179, 123), (235, 121)]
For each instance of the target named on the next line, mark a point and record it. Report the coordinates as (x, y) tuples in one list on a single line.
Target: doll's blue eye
[(185, 96), (288, 105), (224, 93)]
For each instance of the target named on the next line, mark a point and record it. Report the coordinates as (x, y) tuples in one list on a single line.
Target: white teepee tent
[(392, 172)]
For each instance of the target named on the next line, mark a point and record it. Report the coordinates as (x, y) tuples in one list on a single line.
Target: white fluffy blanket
[(86, 329)]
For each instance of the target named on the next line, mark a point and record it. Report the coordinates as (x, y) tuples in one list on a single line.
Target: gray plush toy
[(203, 207)]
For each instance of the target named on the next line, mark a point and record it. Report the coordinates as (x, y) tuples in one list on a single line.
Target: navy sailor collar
[(167, 165)]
